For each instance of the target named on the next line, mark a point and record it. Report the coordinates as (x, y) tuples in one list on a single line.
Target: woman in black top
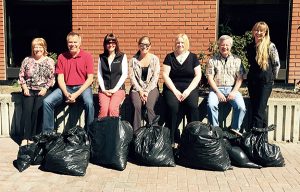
[(264, 66), (112, 73), (181, 74)]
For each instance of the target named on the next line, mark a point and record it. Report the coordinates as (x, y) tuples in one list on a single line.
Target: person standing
[(75, 72), (112, 73), (264, 64), (144, 70), (224, 73), (36, 77), (181, 74)]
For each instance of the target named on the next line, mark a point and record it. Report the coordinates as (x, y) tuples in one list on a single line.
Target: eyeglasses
[(144, 45)]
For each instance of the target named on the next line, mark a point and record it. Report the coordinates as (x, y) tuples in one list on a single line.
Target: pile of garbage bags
[(206, 147), (110, 140), (67, 153)]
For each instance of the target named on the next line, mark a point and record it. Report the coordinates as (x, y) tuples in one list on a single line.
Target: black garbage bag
[(256, 146), (26, 155), (202, 147), (110, 138), (152, 145), (32, 154), (68, 153), (238, 157)]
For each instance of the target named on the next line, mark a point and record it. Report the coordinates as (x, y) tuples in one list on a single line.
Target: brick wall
[(130, 19), (2, 43), (159, 19), (294, 65)]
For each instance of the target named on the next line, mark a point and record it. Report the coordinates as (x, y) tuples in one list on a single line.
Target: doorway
[(240, 16), (28, 19)]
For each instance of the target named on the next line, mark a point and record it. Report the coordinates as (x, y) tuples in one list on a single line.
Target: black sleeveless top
[(144, 73)]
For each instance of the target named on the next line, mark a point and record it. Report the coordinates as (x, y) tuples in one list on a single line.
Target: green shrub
[(53, 56), (238, 47)]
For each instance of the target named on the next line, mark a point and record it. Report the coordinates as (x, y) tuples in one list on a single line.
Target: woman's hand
[(108, 93), (143, 96), (185, 94), (178, 95), (42, 92), (26, 92)]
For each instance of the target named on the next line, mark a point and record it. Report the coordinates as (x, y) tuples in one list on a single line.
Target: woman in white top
[(112, 73)]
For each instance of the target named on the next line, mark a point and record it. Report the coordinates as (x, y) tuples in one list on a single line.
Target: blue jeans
[(238, 104), (57, 98)]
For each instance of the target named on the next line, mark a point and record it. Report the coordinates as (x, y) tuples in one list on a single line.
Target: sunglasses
[(144, 45), (110, 42)]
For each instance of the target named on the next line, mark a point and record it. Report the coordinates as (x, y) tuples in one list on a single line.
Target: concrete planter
[(285, 113)]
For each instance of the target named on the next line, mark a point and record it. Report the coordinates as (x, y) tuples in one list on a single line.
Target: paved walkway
[(139, 178)]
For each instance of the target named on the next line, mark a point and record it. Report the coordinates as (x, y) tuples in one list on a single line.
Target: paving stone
[(137, 178)]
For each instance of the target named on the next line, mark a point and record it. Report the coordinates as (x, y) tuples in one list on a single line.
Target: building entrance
[(27, 19)]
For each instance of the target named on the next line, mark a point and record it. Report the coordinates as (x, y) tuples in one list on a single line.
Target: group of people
[(181, 75)]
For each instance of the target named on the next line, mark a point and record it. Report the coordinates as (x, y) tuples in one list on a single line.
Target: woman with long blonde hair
[(264, 64)]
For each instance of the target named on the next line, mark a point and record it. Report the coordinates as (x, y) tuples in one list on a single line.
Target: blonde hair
[(41, 42), (185, 41), (262, 47)]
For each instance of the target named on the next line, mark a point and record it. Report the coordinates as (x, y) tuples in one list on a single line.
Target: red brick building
[(162, 20)]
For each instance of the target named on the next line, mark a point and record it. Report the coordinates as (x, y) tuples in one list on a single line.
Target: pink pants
[(110, 106)]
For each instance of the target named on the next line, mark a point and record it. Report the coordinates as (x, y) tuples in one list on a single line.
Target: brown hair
[(108, 38)]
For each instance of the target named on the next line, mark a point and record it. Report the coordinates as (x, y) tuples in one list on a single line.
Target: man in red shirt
[(75, 71)]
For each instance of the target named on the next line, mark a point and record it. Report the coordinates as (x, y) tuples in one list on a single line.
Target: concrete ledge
[(285, 113)]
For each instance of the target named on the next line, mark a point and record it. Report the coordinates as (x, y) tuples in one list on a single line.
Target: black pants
[(259, 95), (176, 110), (32, 110)]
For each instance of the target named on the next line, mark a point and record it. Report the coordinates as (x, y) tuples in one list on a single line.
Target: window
[(27, 19)]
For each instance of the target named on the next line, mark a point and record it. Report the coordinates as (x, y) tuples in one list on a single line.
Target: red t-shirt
[(75, 70)]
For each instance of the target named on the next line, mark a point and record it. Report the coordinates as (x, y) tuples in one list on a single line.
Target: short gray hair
[(225, 37)]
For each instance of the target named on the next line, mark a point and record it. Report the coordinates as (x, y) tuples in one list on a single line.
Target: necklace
[(181, 58)]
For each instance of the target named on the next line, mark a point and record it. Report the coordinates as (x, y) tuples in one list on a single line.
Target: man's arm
[(214, 87), (212, 83), (236, 87), (238, 81), (62, 84)]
